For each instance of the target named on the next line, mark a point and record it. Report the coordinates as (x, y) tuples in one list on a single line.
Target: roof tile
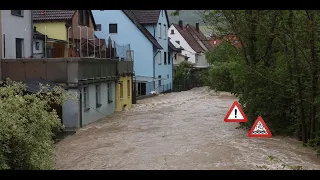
[(52, 15)]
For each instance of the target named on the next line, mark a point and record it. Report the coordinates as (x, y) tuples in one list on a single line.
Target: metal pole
[(99, 48), (94, 44), (87, 41), (68, 41), (80, 42), (45, 42)]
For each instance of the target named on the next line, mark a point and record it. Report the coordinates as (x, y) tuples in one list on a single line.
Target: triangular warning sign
[(235, 114), (259, 129)]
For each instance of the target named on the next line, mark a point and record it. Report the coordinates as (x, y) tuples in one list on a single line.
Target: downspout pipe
[(154, 69)]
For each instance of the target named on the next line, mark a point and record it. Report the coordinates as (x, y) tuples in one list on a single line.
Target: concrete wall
[(55, 30), (71, 112), (128, 33), (188, 51), (202, 61), (16, 27), (127, 96), (95, 113)]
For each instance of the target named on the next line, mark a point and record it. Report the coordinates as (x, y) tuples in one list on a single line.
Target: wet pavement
[(182, 130)]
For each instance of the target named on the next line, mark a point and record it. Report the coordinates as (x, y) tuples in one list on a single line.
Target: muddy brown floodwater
[(182, 130)]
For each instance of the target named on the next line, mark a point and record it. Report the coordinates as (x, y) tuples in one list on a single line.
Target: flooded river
[(182, 130)]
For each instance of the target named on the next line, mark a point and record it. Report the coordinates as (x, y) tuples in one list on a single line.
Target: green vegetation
[(276, 72), (27, 126)]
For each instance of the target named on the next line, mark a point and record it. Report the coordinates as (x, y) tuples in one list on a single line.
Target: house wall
[(55, 30), (71, 111), (128, 33), (127, 98), (165, 70), (38, 53), (95, 113), (188, 51), (76, 30), (202, 61), (16, 27)]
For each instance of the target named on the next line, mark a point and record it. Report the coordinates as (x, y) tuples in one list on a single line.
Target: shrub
[(27, 123)]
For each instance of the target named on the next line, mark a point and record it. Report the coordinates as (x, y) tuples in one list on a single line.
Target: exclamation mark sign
[(235, 113)]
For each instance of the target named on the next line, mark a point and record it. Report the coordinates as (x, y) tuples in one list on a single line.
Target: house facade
[(193, 41), (16, 34), (232, 38), (66, 31), (146, 32)]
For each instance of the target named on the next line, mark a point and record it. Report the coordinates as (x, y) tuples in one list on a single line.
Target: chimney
[(197, 27), (181, 24)]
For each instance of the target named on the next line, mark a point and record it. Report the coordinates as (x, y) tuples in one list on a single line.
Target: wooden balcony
[(64, 70)]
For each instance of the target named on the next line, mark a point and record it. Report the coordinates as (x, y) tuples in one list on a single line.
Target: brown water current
[(182, 130)]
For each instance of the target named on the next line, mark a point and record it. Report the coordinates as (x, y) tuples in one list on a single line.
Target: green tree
[(27, 123)]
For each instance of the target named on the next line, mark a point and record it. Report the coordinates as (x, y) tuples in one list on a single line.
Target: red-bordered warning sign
[(235, 114), (259, 129)]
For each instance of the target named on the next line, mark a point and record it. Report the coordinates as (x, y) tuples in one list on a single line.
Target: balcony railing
[(63, 70)]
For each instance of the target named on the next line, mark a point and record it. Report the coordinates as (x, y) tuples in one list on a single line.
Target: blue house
[(146, 32)]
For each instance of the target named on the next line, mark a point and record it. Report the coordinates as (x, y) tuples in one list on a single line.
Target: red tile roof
[(199, 36), (44, 15), (192, 36), (148, 16), (133, 18), (189, 38), (63, 15)]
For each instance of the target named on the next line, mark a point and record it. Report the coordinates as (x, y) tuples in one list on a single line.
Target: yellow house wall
[(126, 100), (55, 30)]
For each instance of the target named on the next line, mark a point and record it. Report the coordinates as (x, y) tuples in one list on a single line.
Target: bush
[(27, 123)]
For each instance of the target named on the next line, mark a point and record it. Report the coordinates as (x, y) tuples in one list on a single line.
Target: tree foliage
[(275, 73), (27, 122)]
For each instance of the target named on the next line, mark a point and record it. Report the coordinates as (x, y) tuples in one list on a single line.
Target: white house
[(193, 42), (16, 33)]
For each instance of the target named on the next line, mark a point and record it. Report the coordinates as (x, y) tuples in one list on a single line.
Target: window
[(159, 58), (98, 27), (164, 31), (109, 93), (98, 96), (19, 48), (128, 88), (113, 28), (86, 98), (37, 45), (165, 57), (214, 42), (17, 12), (121, 90), (169, 58), (160, 32), (172, 31), (178, 42), (83, 16)]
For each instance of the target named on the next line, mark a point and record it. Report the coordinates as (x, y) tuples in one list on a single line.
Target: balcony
[(64, 70)]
